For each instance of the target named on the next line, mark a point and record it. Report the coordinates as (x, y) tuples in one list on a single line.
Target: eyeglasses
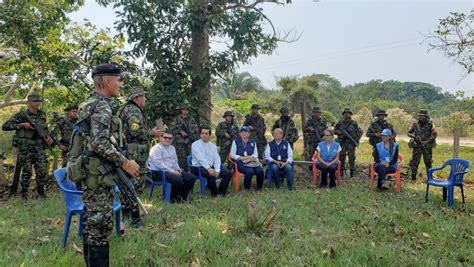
[(328, 135), (167, 137)]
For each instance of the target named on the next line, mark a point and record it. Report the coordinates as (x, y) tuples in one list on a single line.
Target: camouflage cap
[(136, 91), (316, 109), (255, 106), (34, 96), (106, 70), (228, 113), (347, 110), (183, 106), (423, 112), (71, 107), (284, 110), (381, 112)]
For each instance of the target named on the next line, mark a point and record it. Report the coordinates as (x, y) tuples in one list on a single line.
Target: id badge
[(245, 153), (279, 157)]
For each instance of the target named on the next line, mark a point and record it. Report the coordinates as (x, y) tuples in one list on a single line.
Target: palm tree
[(236, 84)]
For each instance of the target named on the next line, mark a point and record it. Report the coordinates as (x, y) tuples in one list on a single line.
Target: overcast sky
[(353, 41)]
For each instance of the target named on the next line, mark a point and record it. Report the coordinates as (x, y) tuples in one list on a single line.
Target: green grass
[(339, 227)]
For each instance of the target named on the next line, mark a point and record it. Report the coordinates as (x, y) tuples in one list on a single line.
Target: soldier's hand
[(49, 140), (311, 129), (183, 134), (251, 127), (227, 135), (63, 147), (378, 135), (25, 125), (424, 142), (156, 132), (131, 167)]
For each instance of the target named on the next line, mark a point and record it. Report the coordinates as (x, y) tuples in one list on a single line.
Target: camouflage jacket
[(134, 124), (351, 127), (101, 128), (222, 129), (425, 131), (319, 125), (38, 119), (259, 128), (290, 132), (376, 127), (64, 126), (188, 125)]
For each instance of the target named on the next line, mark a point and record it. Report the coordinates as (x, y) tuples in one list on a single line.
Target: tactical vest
[(384, 152), (136, 150), (246, 150), (328, 154), (279, 150)]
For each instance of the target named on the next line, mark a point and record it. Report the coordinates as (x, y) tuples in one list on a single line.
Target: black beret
[(106, 70)]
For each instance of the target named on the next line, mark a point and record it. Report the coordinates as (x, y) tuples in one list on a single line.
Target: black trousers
[(225, 176), (180, 185), (325, 171)]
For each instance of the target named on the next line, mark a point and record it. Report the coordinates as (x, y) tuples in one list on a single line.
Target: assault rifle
[(346, 134), (418, 143)]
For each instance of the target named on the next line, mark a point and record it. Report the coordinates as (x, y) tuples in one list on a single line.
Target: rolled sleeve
[(267, 154)]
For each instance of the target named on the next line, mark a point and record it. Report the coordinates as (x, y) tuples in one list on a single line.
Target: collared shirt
[(267, 154), (205, 155), (233, 151), (329, 145), (164, 158)]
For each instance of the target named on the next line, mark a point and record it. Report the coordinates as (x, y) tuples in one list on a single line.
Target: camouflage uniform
[(376, 127), (287, 124), (347, 145), (65, 126), (183, 144), (31, 147), (313, 138), (258, 132), (223, 142), (426, 132)]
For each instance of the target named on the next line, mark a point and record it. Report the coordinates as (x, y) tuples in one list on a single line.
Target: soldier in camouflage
[(423, 140), (257, 126), (65, 126), (137, 137), (29, 126), (185, 131), (226, 132), (376, 127), (287, 124), (346, 126), (101, 130), (314, 131)]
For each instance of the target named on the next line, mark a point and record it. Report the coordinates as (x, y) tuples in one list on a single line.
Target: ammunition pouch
[(25, 144), (25, 133), (411, 143), (138, 152), (98, 174)]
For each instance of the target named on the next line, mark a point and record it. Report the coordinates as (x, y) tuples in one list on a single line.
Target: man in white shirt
[(279, 156), (207, 159), (163, 157)]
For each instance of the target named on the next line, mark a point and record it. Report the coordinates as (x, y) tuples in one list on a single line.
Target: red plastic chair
[(236, 174), (317, 172), (396, 175)]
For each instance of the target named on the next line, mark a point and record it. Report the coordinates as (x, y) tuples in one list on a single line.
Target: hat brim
[(422, 114), (227, 116), (378, 114), (347, 112)]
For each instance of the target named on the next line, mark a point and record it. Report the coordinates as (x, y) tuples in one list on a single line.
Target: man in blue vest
[(386, 157), (279, 156), (328, 159)]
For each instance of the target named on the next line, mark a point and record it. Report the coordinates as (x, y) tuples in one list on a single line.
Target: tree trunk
[(199, 52), (303, 120), (457, 137)]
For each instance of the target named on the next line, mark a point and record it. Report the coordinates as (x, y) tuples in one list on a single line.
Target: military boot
[(98, 256), (40, 191), (85, 249), (136, 220), (24, 194), (413, 174), (352, 173)]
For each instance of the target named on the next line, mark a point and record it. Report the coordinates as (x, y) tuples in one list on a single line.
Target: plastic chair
[(396, 175), (197, 171), (236, 175), (269, 174), (75, 206), (317, 172), (459, 167), (163, 182)]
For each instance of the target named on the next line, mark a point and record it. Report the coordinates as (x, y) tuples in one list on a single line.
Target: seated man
[(206, 157), (279, 156), (386, 157), (328, 159), (163, 157), (244, 151)]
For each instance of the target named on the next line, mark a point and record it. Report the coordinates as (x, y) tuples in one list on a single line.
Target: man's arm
[(233, 151), (12, 124), (198, 155), (290, 155), (267, 154), (216, 159), (157, 159)]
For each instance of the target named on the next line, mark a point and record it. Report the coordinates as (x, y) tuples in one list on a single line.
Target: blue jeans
[(248, 173), (382, 172), (288, 170)]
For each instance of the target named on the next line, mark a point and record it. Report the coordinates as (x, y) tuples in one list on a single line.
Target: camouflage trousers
[(310, 149), (224, 153), (183, 151), (416, 157), (349, 150), (64, 158), (29, 158), (98, 212)]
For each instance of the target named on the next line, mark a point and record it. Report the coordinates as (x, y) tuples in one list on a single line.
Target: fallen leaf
[(34, 252), (329, 252), (131, 257), (373, 244), (162, 245), (426, 235), (174, 226), (77, 249)]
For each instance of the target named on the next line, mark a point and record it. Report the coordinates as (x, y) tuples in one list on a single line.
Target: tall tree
[(236, 84)]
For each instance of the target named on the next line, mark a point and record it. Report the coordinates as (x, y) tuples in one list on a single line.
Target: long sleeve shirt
[(164, 158), (268, 157), (233, 152), (205, 155)]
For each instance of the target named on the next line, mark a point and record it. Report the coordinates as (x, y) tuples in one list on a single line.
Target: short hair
[(279, 129), (167, 131), (329, 131), (206, 128)]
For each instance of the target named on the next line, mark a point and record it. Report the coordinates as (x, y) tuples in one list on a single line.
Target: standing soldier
[(423, 140), (314, 131), (349, 134), (137, 138), (101, 132), (257, 126), (31, 139), (65, 126), (376, 127), (185, 132), (287, 124), (226, 132)]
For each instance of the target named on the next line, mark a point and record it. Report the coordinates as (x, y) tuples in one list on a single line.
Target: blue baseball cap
[(386, 132), (245, 129)]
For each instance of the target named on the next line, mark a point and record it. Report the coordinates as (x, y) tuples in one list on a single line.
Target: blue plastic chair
[(163, 182), (269, 174), (75, 206), (459, 167), (197, 171)]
